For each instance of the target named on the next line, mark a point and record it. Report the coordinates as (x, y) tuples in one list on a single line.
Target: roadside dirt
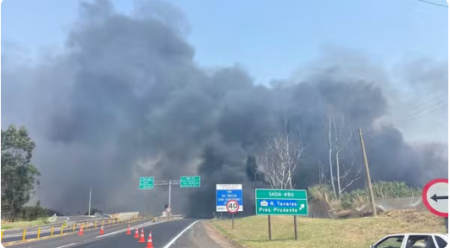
[(218, 237), (203, 235)]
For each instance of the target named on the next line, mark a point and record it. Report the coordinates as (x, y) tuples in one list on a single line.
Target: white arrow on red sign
[(435, 196)]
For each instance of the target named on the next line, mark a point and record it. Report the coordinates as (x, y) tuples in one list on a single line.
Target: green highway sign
[(146, 183), (190, 182), (281, 202)]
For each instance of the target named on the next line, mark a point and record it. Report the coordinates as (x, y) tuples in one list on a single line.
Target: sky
[(270, 39)]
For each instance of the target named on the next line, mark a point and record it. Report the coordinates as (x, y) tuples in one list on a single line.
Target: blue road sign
[(227, 192)]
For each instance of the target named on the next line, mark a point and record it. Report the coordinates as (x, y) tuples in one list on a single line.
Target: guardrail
[(52, 219), (65, 229)]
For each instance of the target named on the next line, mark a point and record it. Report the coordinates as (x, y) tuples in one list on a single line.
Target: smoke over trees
[(125, 99)]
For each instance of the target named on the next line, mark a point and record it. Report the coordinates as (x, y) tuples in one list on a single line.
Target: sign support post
[(270, 227), (232, 208), (232, 221), (446, 224), (295, 227)]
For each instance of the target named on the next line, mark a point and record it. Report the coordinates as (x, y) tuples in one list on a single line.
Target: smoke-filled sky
[(126, 98)]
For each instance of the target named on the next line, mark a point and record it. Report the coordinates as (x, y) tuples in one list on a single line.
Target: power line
[(420, 112), (418, 107), (418, 116), (430, 109), (437, 4)]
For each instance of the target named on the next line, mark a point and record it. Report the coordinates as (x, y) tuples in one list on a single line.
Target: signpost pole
[(446, 224), (170, 193), (270, 227), (90, 196), (295, 226), (232, 221)]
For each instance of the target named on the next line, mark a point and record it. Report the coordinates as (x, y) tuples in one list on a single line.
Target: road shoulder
[(202, 235)]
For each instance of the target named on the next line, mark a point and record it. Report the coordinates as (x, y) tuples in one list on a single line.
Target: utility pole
[(369, 181), (90, 197), (169, 183), (170, 193)]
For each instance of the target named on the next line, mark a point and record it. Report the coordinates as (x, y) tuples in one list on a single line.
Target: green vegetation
[(20, 224), (18, 175), (252, 232), (361, 197), (33, 213)]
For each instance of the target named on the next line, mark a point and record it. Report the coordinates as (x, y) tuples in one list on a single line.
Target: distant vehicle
[(413, 240)]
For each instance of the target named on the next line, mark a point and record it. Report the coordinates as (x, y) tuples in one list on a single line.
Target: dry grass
[(252, 231), (19, 224)]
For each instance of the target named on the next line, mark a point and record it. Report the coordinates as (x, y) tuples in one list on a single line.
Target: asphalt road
[(163, 235)]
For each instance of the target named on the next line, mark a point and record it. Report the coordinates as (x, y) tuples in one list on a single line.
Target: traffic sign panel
[(227, 192), (146, 183), (435, 196), (190, 182), (281, 202), (232, 206)]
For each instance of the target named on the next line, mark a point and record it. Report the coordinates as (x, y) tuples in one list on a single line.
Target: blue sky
[(271, 39)]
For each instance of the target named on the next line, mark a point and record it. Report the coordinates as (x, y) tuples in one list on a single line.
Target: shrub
[(360, 197)]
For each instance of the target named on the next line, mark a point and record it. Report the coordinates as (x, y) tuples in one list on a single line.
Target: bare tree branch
[(282, 157), (339, 134)]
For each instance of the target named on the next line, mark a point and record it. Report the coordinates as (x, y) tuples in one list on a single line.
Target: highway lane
[(163, 236), (163, 233)]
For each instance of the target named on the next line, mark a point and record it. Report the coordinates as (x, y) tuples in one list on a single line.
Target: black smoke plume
[(125, 99)]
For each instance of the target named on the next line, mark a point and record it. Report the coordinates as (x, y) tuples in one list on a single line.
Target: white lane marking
[(66, 245), (133, 227), (181, 233)]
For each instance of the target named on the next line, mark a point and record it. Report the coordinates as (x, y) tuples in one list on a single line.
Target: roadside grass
[(19, 224), (252, 232)]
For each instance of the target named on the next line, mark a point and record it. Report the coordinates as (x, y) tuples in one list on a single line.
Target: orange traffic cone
[(136, 234), (149, 241), (80, 232), (142, 239), (102, 231), (129, 230)]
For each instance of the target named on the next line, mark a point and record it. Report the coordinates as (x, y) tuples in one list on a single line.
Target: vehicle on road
[(413, 240)]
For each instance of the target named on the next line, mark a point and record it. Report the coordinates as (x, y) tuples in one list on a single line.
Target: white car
[(413, 240)]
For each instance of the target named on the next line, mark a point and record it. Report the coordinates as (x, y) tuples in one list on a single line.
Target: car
[(413, 240)]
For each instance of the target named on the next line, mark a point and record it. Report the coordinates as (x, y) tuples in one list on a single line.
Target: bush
[(386, 190), (33, 212), (325, 193), (360, 197)]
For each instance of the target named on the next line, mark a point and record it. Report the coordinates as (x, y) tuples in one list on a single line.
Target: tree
[(251, 168), (34, 212), (19, 176), (338, 134), (281, 157)]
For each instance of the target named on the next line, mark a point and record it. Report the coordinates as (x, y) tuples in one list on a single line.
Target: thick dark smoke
[(125, 99)]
